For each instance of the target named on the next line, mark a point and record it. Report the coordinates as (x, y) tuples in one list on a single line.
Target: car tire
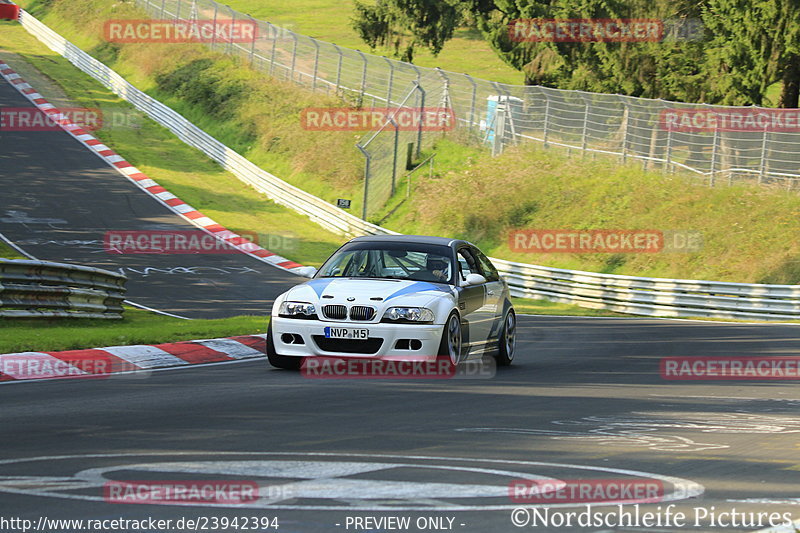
[(280, 361), (507, 339), (450, 345)]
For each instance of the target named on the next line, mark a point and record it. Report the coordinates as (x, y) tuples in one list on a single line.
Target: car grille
[(368, 346), (336, 312), (361, 312)]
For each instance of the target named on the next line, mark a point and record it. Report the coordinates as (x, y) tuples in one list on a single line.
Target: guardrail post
[(338, 68), (390, 83), (316, 64), (472, 100), (294, 55)]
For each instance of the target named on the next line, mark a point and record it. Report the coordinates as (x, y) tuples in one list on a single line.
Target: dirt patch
[(45, 85)]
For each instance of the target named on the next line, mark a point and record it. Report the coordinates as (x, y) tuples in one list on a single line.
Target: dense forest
[(714, 51)]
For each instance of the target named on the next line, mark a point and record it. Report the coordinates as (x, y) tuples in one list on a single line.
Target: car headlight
[(408, 314), (297, 310)]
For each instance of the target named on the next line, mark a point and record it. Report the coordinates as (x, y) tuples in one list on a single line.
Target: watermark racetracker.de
[(607, 30), (192, 242), (369, 118), (613, 241)]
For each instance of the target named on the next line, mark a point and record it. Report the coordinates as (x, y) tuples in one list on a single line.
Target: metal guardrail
[(43, 289), (660, 297), (626, 294)]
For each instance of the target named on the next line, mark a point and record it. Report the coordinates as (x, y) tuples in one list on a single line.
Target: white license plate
[(346, 333)]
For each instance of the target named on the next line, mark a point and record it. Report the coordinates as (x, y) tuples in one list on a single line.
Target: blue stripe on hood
[(319, 285), (419, 286)]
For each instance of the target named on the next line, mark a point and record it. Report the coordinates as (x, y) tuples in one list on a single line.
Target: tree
[(405, 24)]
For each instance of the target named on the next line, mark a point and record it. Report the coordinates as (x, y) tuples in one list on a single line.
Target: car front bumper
[(382, 342)]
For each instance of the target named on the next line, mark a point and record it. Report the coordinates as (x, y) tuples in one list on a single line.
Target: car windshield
[(391, 261)]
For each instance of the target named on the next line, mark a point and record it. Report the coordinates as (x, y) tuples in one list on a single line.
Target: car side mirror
[(307, 272), (474, 279)]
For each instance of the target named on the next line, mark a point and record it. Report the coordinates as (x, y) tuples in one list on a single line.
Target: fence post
[(367, 156), (177, 10), (391, 81), (255, 27), (338, 68), (274, 34), (546, 118), (626, 114), (714, 158), (294, 56), (164, 8), (472, 101), (363, 76), (498, 141), (421, 111), (396, 146), (584, 131), (762, 170), (214, 26), (316, 64), (445, 88), (232, 24), (668, 155)]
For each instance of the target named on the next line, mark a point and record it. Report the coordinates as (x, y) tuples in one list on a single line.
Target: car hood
[(377, 293)]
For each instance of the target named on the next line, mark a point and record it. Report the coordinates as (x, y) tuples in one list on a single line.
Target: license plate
[(346, 333)]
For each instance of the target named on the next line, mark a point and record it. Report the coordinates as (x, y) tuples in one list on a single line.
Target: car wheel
[(507, 339), (451, 339), (280, 361)]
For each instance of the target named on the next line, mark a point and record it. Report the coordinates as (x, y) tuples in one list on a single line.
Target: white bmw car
[(392, 297)]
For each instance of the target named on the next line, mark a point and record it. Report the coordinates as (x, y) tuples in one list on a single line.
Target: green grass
[(8, 252), (749, 232), (136, 327), (544, 307), (329, 20)]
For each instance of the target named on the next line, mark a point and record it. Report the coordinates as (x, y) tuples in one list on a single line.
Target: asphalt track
[(583, 392), (584, 399), (57, 200)]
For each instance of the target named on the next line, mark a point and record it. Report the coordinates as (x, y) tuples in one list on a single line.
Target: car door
[(472, 303), (495, 290)]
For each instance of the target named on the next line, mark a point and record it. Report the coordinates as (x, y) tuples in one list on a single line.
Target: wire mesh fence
[(720, 144)]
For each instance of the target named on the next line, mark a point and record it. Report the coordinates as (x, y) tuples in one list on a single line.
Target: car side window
[(487, 268), (466, 263)]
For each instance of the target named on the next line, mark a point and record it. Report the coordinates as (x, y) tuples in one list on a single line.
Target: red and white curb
[(144, 182), (103, 362)]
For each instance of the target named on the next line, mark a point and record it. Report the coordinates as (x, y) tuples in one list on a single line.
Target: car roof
[(415, 239)]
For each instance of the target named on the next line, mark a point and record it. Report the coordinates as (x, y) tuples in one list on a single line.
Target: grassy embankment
[(748, 232), (181, 169)]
